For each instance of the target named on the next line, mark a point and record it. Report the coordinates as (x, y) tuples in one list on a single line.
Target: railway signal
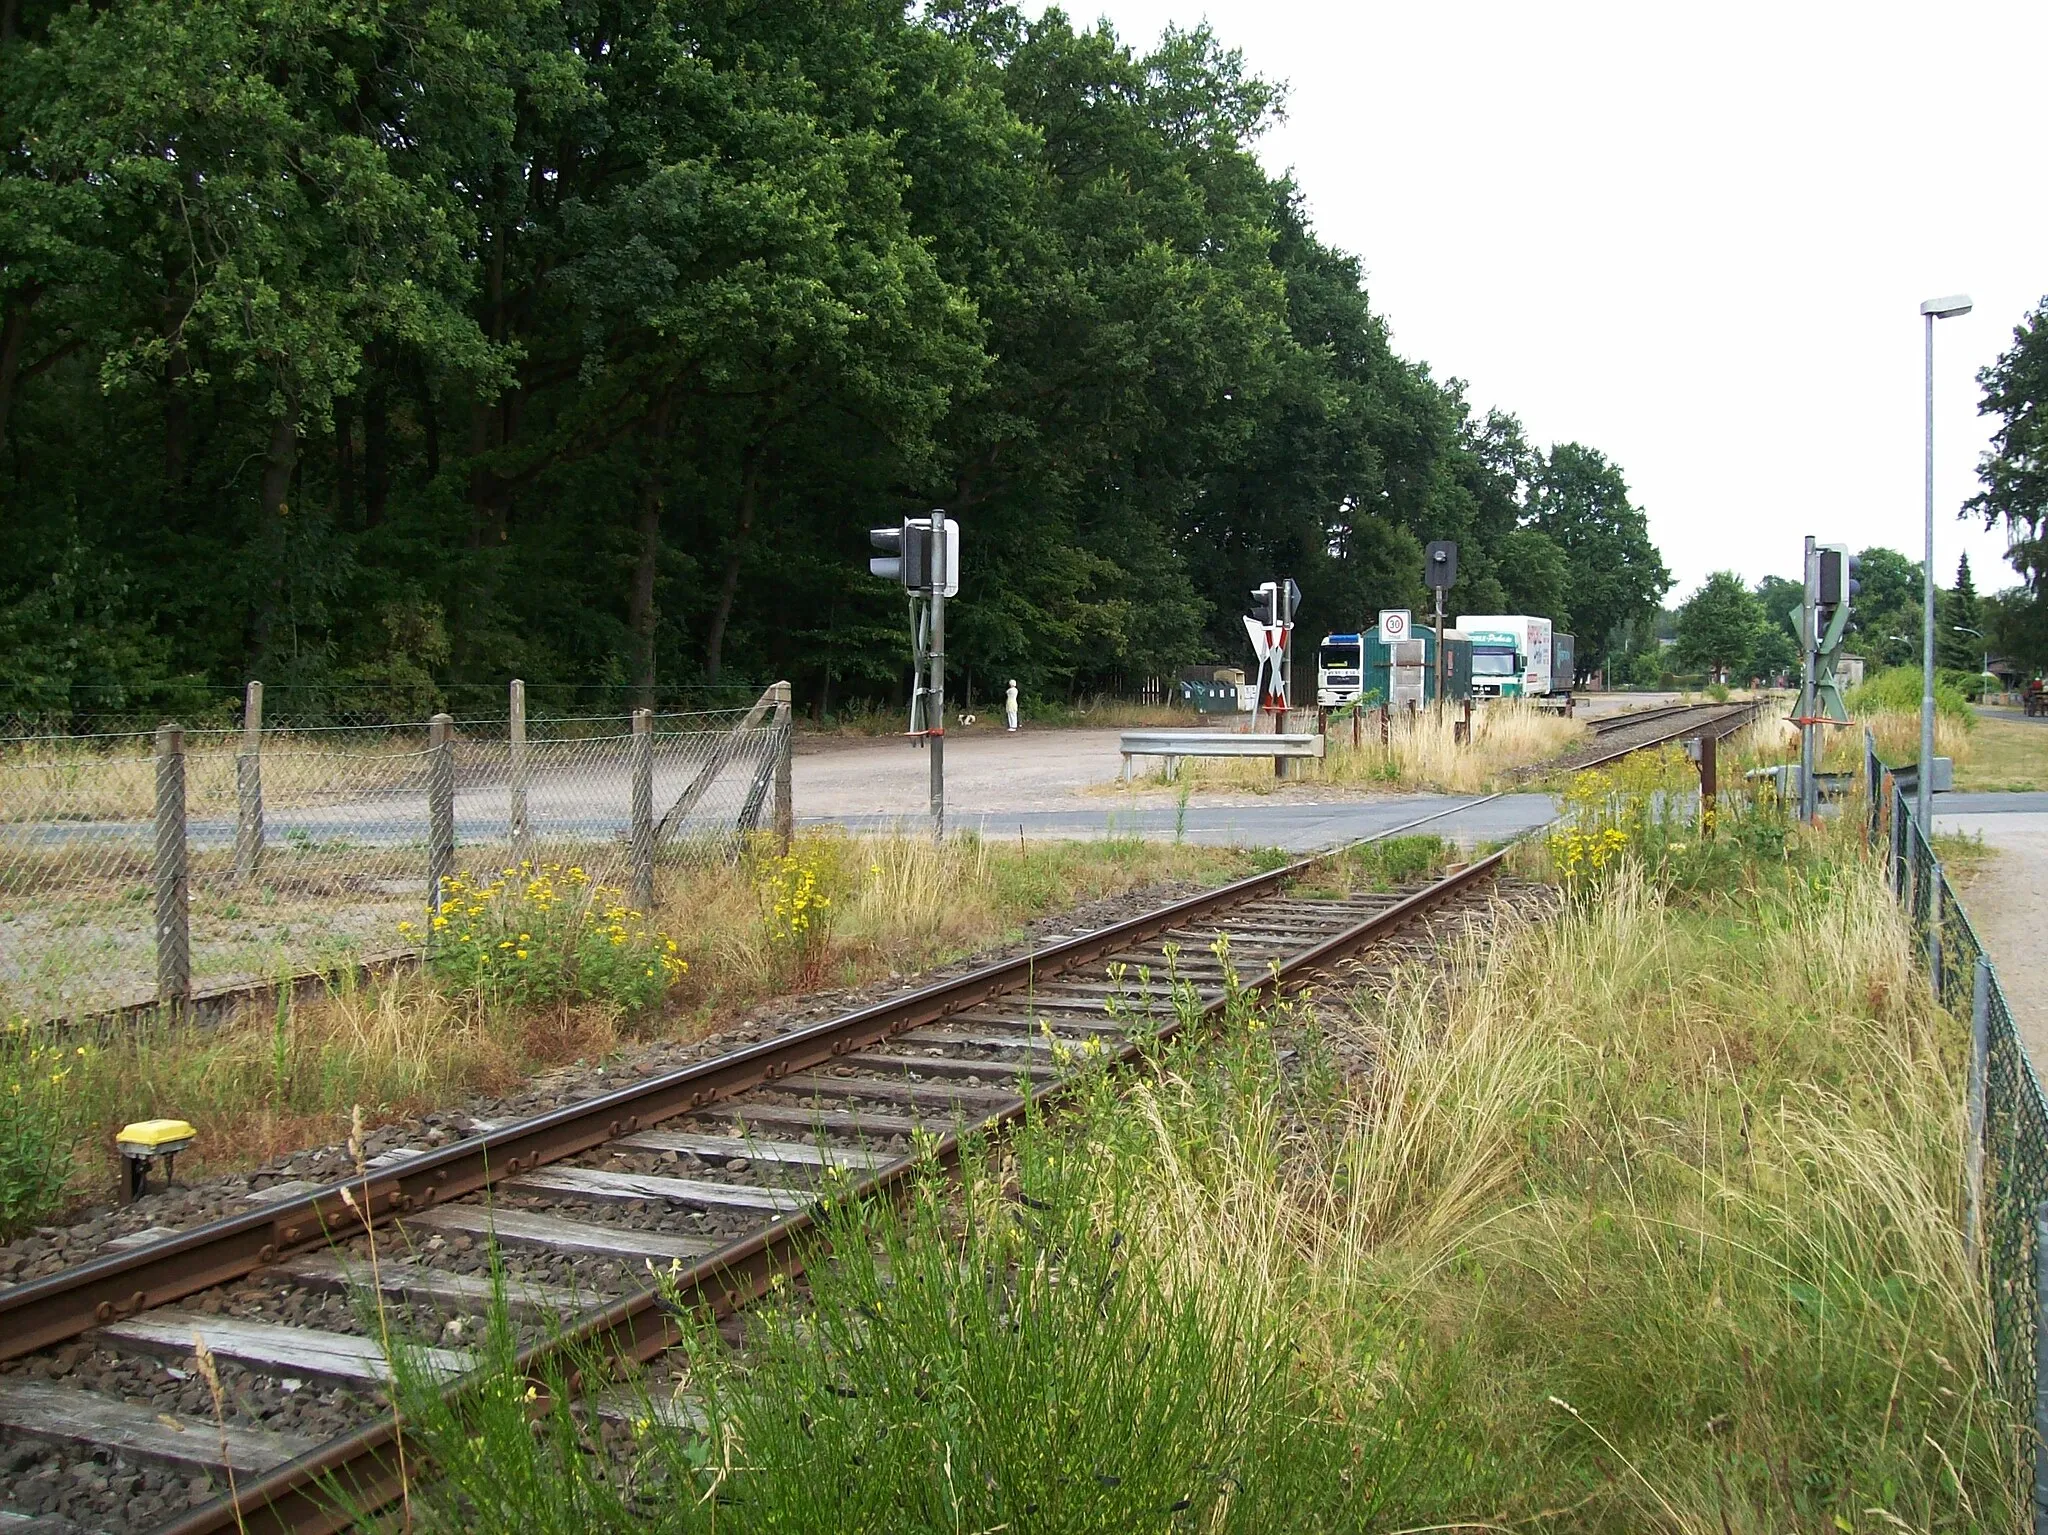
[(923, 557), (1270, 624), (1831, 587), (1440, 574)]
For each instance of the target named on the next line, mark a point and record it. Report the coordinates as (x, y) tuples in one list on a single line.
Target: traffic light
[(906, 556), (1440, 566), (1837, 586), (1266, 604)]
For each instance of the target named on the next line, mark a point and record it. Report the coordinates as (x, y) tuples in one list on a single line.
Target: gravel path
[(2007, 898)]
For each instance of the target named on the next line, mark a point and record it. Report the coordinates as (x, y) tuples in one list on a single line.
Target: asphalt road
[(1295, 827)]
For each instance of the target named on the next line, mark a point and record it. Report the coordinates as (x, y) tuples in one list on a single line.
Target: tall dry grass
[(897, 903), (1774, 739), (1421, 751), (1677, 1189)]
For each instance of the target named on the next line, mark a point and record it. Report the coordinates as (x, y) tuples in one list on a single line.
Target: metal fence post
[(521, 828), (249, 789), (785, 746), (1892, 801), (440, 808), (173, 891), (641, 762), (2041, 1370), (1935, 885), (1973, 1149)]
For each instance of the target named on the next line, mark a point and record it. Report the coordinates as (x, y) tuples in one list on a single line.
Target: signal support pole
[(935, 715), (1809, 640)]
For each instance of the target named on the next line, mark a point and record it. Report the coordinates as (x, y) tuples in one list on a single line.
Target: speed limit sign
[(1395, 624)]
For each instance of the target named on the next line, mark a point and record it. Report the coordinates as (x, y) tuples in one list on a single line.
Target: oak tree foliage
[(385, 349)]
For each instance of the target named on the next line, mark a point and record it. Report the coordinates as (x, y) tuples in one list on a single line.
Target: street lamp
[(1934, 309), (1966, 629)]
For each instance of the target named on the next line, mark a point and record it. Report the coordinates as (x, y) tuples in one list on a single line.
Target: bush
[(543, 934), (1897, 688)]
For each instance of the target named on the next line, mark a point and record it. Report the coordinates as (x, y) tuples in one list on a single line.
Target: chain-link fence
[(2007, 1142), (178, 867)]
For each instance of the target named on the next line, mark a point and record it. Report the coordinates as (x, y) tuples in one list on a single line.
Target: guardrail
[(1176, 744)]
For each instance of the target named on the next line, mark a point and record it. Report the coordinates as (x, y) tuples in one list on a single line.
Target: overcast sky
[(1694, 238)]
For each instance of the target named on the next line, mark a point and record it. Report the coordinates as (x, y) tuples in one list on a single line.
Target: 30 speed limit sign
[(1395, 624)]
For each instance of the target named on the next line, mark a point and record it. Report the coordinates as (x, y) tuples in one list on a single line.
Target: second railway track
[(710, 1170)]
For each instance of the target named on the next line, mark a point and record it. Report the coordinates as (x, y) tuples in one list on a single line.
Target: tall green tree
[(1581, 503), (1719, 627), (1960, 640), (387, 348)]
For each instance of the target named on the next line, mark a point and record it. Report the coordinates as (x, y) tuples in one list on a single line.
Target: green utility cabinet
[(1391, 669)]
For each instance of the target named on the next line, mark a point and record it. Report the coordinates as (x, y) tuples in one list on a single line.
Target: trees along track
[(757, 1129)]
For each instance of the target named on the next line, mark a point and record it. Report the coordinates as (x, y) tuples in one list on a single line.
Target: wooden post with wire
[(640, 761), (440, 808), (517, 770), (785, 746), (173, 889)]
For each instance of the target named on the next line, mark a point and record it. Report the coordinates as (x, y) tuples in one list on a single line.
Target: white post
[(521, 828), (249, 788), (1926, 785)]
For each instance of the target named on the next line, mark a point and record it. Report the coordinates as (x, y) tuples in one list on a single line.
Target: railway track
[(712, 1169), (1635, 717)]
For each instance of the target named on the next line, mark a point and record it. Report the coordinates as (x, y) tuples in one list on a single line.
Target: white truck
[(1516, 655)]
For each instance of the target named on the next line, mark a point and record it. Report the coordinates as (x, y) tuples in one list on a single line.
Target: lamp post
[(1933, 309), (1966, 629)]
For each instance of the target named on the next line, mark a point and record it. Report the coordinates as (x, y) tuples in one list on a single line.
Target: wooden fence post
[(640, 759), (785, 745), (440, 808), (173, 890), (521, 828), (249, 789)]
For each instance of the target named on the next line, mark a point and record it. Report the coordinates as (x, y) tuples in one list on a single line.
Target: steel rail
[(1724, 724), (1635, 717), (332, 1486)]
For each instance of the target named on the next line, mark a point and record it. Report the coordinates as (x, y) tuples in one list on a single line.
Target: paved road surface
[(1296, 827), (2007, 899)]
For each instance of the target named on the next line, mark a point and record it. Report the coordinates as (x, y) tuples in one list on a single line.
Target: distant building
[(1848, 671)]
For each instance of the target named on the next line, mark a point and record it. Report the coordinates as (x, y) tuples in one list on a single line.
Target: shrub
[(543, 934), (1896, 689)]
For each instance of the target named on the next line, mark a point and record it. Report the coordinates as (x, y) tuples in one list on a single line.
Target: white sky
[(1694, 238)]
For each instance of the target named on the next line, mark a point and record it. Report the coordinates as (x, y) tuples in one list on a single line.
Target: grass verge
[(1643, 1218)]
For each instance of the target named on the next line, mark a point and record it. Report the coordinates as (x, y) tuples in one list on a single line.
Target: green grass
[(1645, 1218), (2006, 755)]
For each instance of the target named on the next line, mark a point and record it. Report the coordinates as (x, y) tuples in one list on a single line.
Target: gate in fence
[(2006, 1148), (193, 868)]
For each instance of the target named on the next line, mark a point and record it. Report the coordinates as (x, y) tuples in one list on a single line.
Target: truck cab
[(1513, 655), (1340, 670)]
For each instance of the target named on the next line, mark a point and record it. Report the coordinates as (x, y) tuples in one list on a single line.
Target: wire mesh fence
[(141, 870), (2007, 1141)]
